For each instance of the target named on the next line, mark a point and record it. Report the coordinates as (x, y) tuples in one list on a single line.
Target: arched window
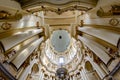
[(61, 60)]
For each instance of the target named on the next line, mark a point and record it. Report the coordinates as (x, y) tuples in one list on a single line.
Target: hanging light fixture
[(61, 73)]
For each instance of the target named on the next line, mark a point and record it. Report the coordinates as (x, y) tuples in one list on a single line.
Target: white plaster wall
[(107, 2), (91, 18), (60, 21), (100, 21), (28, 20), (10, 4)]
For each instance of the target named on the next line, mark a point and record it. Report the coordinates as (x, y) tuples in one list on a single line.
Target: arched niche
[(35, 68), (88, 66), (90, 72)]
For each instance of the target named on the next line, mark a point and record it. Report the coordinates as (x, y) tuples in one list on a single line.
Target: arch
[(88, 66), (90, 71), (35, 68)]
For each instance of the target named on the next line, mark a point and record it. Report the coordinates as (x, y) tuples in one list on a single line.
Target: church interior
[(59, 39)]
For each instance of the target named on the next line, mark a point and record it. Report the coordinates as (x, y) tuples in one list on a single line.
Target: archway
[(90, 72), (35, 68)]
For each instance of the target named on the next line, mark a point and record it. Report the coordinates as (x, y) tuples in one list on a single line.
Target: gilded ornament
[(6, 26), (114, 22)]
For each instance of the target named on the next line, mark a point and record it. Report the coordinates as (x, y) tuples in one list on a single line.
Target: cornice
[(99, 41), (54, 18), (28, 4), (111, 28), (59, 10), (57, 6), (6, 72), (60, 24), (10, 32)]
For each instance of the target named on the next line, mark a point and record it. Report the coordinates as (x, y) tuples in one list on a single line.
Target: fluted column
[(96, 48), (103, 34), (70, 78), (27, 70), (42, 76), (11, 41), (83, 75), (20, 72), (26, 53), (98, 69)]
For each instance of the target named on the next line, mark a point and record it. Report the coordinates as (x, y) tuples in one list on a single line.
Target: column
[(83, 75), (102, 34), (27, 71), (23, 55), (11, 41), (98, 69), (96, 48)]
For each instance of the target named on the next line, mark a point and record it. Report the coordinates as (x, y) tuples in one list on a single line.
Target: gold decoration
[(6, 26), (114, 11), (59, 10), (81, 23), (114, 22), (5, 16)]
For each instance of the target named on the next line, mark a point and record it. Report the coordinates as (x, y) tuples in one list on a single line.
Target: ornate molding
[(6, 26), (114, 22), (113, 11), (58, 6), (57, 3), (60, 25), (6, 16), (60, 18), (59, 10)]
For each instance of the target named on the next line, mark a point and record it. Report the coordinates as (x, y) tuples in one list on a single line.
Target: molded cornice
[(58, 6)]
